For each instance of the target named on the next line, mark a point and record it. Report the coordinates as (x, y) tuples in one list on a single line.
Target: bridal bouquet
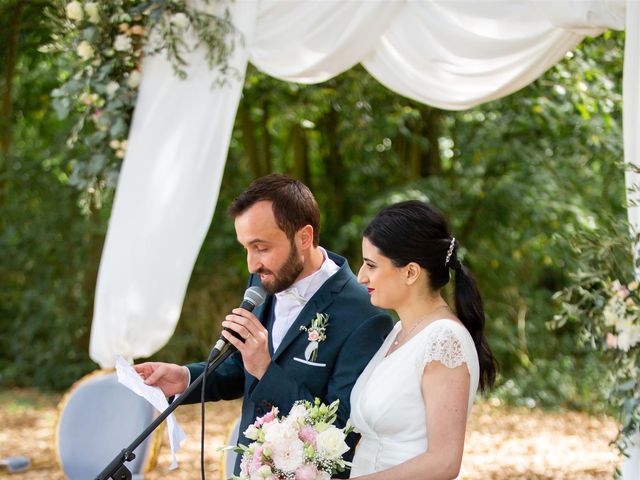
[(304, 445)]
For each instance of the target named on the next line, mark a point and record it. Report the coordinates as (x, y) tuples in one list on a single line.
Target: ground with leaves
[(502, 442)]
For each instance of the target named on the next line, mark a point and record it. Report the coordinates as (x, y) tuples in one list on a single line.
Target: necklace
[(397, 341)]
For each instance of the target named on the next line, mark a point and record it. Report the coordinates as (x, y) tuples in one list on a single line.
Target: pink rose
[(268, 417), (256, 462), (623, 293), (612, 340), (308, 435), (306, 472), (244, 464), (313, 336)]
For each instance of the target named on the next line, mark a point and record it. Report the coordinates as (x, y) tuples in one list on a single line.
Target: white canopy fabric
[(449, 54)]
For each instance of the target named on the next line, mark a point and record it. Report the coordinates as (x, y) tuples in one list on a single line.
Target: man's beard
[(286, 275)]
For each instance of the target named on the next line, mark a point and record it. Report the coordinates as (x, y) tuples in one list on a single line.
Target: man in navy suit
[(277, 221)]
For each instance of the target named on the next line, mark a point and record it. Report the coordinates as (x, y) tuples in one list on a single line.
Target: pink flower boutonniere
[(316, 334)]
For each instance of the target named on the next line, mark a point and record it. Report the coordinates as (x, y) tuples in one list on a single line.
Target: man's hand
[(254, 349), (172, 379)]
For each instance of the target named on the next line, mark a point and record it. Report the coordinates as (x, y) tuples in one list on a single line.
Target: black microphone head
[(255, 295)]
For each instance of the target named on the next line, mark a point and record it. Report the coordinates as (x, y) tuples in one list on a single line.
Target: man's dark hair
[(294, 206)]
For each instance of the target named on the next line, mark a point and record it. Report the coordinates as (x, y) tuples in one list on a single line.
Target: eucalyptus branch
[(103, 45)]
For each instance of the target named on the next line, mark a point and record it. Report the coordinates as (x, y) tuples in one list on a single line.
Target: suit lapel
[(267, 321), (317, 304)]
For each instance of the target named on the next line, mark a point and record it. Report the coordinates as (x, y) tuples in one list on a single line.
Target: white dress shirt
[(290, 302)]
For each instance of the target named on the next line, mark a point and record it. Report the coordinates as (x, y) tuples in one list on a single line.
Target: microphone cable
[(253, 297)]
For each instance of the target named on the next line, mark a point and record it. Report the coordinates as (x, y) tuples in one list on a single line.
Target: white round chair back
[(98, 418), (229, 456)]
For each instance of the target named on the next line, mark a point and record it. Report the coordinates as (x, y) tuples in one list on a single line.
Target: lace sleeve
[(445, 347)]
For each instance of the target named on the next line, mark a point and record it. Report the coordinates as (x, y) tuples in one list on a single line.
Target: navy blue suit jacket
[(355, 332)]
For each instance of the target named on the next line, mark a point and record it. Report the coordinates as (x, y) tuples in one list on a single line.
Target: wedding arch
[(450, 55)]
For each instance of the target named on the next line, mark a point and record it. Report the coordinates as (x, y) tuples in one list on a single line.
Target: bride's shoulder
[(447, 341), (443, 326)]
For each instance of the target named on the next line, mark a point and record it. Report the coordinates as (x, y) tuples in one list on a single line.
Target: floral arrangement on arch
[(622, 314), (604, 300), (304, 445), (102, 44)]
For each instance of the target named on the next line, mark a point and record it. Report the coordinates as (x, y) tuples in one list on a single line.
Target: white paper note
[(128, 377)]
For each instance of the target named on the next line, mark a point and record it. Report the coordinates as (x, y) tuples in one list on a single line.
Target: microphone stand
[(117, 470)]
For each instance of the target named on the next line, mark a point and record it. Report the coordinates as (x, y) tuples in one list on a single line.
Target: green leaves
[(102, 45)]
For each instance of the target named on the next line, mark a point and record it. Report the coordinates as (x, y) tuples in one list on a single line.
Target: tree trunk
[(336, 176), (431, 163), (414, 164), (300, 148), (266, 138), (95, 241), (399, 145), (6, 105), (249, 140)]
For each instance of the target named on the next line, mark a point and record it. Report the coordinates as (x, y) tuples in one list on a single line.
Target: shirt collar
[(302, 290)]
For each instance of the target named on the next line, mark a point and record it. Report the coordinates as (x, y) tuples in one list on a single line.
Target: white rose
[(610, 317), (614, 311), (251, 432), (331, 442), (624, 341), (264, 472), (287, 454), (629, 335), (74, 11), (180, 20), (276, 431), (85, 50), (86, 98), (111, 88), (92, 11), (134, 79), (296, 414), (122, 43)]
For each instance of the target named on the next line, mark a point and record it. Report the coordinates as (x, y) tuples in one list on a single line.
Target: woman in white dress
[(412, 401)]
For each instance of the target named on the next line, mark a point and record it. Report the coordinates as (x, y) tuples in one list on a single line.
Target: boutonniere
[(316, 334)]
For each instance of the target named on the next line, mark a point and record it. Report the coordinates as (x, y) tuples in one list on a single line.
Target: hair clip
[(450, 251)]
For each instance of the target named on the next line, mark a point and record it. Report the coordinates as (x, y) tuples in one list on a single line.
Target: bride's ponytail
[(470, 311), (416, 232)]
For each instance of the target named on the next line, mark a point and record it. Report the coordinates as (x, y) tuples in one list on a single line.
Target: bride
[(412, 401)]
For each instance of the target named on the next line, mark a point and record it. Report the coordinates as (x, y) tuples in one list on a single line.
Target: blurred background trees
[(516, 177)]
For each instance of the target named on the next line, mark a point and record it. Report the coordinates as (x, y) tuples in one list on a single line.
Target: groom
[(277, 221)]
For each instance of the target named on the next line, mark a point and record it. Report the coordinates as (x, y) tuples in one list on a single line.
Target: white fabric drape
[(166, 195), (631, 113), (631, 120), (451, 55)]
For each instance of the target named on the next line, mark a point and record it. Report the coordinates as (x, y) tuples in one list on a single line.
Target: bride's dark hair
[(413, 231)]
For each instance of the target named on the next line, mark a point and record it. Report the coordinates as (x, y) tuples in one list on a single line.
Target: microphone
[(253, 297)]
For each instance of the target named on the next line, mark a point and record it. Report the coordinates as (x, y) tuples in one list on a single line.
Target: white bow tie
[(292, 295)]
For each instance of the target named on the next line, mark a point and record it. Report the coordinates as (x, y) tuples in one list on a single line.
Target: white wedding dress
[(387, 407)]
